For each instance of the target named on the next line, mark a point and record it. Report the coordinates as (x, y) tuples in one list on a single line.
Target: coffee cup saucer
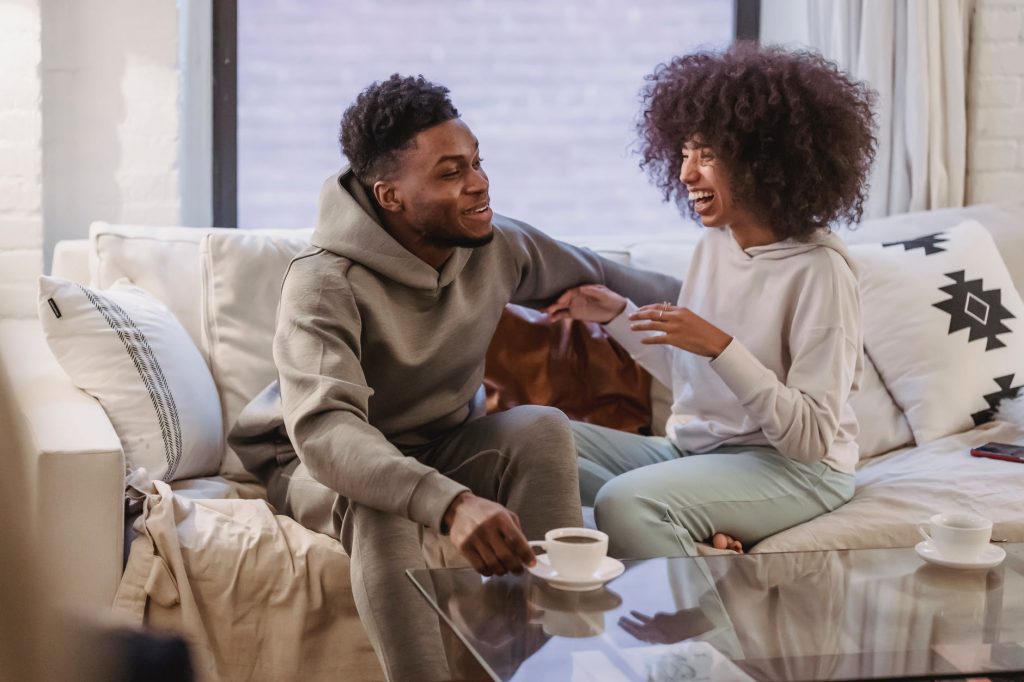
[(610, 568), (990, 557)]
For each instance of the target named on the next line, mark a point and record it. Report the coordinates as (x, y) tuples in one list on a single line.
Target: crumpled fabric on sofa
[(256, 595)]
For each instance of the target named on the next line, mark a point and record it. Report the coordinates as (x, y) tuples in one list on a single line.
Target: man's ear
[(386, 195)]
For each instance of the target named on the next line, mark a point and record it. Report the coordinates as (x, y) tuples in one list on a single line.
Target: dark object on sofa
[(571, 365), (123, 654)]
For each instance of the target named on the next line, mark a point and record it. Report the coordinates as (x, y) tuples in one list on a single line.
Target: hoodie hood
[(347, 225), (788, 248)]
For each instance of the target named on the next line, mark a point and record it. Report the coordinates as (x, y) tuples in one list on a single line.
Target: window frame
[(746, 23)]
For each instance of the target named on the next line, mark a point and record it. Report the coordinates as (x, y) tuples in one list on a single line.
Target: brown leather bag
[(574, 366)]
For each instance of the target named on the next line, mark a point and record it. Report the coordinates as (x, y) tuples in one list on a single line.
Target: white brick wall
[(995, 102), (91, 105), (111, 115), (21, 193)]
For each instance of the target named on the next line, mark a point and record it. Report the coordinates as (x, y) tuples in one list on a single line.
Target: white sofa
[(75, 454)]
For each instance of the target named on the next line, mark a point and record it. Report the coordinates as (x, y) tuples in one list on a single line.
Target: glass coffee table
[(832, 615)]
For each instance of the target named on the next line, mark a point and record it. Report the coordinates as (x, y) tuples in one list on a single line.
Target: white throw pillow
[(242, 274), (124, 347), (942, 322)]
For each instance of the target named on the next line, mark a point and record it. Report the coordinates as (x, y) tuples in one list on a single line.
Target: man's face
[(443, 187)]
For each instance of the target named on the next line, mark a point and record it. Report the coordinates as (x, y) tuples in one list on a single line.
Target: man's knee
[(545, 446), (371, 534), (544, 434)]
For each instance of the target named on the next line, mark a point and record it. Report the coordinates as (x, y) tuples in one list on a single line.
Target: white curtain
[(914, 53)]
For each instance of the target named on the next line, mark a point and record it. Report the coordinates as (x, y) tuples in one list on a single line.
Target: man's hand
[(682, 328), (488, 534), (590, 303)]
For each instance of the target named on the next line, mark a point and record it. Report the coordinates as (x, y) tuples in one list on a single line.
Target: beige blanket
[(257, 596)]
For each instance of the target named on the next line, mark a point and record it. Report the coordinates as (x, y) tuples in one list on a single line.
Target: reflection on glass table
[(830, 615)]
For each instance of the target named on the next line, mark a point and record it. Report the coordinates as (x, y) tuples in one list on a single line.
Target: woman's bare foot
[(723, 541)]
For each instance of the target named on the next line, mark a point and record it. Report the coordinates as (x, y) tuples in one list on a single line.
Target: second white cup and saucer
[(576, 559), (959, 540)]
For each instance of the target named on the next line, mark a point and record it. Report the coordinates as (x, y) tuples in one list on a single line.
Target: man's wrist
[(449, 515), (617, 313)]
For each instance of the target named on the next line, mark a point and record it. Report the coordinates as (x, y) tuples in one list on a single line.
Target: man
[(382, 331)]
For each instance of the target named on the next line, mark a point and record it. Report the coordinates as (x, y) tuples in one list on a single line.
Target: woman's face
[(707, 182)]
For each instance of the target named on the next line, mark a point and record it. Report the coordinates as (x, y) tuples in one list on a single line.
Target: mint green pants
[(656, 500)]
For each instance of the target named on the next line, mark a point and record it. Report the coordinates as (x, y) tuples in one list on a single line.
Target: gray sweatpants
[(655, 500), (523, 458)]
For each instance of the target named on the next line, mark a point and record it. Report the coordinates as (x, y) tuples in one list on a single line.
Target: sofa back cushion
[(882, 426), (241, 287), (1004, 222), (162, 260)]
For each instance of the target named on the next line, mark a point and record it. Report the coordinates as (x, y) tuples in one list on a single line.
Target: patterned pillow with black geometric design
[(944, 326)]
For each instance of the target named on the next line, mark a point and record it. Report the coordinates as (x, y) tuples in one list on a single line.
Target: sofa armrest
[(75, 466)]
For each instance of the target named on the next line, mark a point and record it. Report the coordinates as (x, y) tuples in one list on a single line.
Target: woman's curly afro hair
[(795, 134), (384, 120)]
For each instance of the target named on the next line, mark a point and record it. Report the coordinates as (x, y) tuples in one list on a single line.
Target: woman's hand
[(590, 303), (681, 328)]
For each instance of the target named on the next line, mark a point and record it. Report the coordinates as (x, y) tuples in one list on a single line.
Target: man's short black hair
[(385, 118)]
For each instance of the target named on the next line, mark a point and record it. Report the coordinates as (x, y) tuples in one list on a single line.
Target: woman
[(763, 348)]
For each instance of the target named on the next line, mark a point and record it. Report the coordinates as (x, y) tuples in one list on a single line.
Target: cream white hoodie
[(793, 310)]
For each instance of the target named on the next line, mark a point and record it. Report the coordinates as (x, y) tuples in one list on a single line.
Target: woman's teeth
[(701, 198)]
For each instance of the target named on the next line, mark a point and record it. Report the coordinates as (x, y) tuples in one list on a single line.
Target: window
[(549, 88)]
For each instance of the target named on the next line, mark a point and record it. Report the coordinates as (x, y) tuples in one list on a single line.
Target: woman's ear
[(387, 196)]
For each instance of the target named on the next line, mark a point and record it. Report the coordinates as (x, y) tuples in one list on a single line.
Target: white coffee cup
[(575, 553), (959, 536)]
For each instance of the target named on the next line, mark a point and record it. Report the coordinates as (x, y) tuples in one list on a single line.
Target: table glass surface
[(830, 615)]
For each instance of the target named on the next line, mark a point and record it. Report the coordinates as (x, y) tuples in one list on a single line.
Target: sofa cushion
[(898, 490), (162, 260), (882, 426), (127, 350), (241, 286), (942, 321), (1004, 221)]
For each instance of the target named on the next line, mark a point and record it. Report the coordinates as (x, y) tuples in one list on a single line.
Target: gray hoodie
[(379, 354)]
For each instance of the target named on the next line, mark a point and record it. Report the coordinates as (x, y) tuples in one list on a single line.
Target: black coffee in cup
[(574, 553)]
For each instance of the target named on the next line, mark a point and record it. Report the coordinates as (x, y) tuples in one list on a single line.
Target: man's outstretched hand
[(488, 534)]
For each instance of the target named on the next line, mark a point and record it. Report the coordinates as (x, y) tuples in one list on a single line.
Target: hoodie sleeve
[(548, 267), (325, 397), (800, 416), (655, 358)]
